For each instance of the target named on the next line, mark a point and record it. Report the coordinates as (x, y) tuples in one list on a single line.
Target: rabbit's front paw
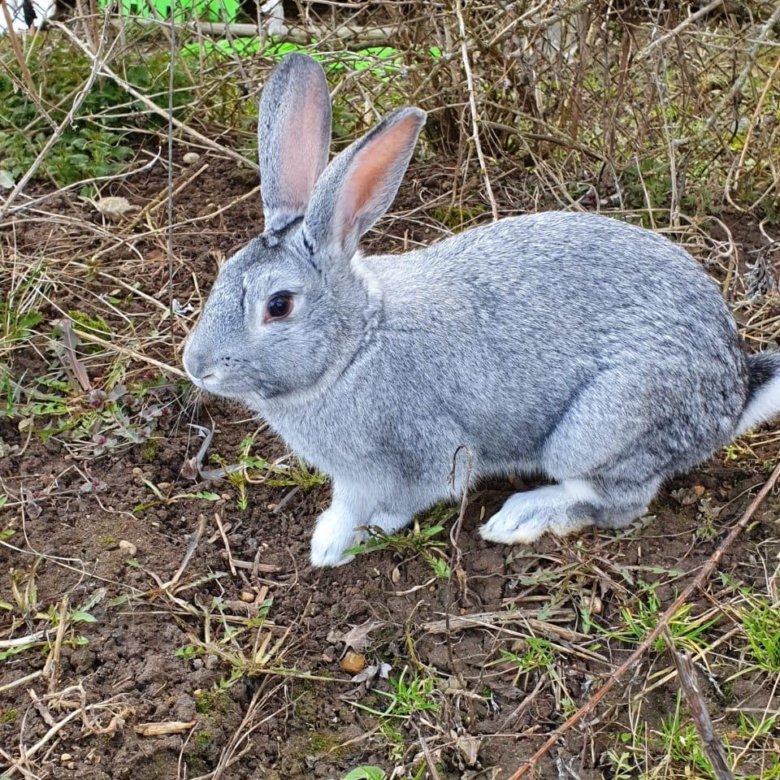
[(333, 535)]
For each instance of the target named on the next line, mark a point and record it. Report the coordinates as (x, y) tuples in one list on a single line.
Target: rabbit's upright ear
[(360, 184), (293, 137)]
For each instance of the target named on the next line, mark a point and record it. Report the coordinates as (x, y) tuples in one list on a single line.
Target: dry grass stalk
[(464, 50), (190, 551), (55, 136)]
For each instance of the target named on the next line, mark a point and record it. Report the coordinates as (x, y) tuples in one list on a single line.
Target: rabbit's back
[(580, 277), (503, 328)]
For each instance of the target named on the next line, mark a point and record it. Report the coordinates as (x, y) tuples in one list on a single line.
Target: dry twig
[(711, 743)]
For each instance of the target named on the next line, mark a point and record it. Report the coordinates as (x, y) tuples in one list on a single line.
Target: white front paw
[(333, 534)]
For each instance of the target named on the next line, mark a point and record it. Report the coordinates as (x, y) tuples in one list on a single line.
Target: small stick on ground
[(16, 764), (428, 757), (226, 543), (286, 500), (52, 666), (42, 709), (663, 622), (191, 547), (710, 741), (21, 681)]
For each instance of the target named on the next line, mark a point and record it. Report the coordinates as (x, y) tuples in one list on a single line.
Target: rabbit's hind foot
[(561, 509)]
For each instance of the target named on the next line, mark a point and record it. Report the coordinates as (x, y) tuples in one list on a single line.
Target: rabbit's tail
[(763, 402)]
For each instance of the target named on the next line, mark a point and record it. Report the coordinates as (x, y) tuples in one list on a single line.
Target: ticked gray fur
[(571, 345)]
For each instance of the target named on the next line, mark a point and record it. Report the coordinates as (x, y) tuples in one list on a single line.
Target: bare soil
[(104, 531)]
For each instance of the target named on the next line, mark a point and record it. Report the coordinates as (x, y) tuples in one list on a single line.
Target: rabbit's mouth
[(228, 379), (215, 383)]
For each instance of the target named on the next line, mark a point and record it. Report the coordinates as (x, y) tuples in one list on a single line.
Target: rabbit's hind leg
[(621, 501), (609, 454), (561, 509), (568, 507)]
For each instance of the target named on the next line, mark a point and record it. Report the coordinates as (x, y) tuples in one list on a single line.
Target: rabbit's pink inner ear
[(373, 171), (303, 157)]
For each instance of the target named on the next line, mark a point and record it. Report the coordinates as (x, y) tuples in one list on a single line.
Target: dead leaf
[(69, 357), (468, 747), (684, 496), (367, 675), (114, 206), (357, 637)]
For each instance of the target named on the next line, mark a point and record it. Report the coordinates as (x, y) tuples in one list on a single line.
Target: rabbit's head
[(290, 307)]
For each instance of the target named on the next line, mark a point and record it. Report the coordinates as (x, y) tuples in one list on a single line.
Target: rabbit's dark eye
[(279, 306)]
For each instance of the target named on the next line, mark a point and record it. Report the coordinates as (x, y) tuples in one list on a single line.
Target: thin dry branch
[(703, 11), (353, 34), (105, 70), (647, 643), (97, 64), (464, 53), (758, 43), (710, 741)]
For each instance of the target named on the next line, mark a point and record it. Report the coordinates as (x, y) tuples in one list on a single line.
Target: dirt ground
[(137, 594)]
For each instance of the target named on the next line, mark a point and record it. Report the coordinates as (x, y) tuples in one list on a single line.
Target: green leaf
[(83, 617), (207, 495), (365, 773), (12, 651)]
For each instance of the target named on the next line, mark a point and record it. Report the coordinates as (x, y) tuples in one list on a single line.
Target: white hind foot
[(556, 508)]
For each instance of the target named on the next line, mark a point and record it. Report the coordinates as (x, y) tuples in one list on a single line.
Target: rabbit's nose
[(198, 365)]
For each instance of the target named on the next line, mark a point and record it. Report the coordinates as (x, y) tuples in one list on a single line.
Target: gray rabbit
[(590, 351)]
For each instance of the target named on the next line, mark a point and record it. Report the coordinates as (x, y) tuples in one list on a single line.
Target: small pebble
[(65, 757), (190, 158), (247, 597), (352, 663), (128, 547)]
